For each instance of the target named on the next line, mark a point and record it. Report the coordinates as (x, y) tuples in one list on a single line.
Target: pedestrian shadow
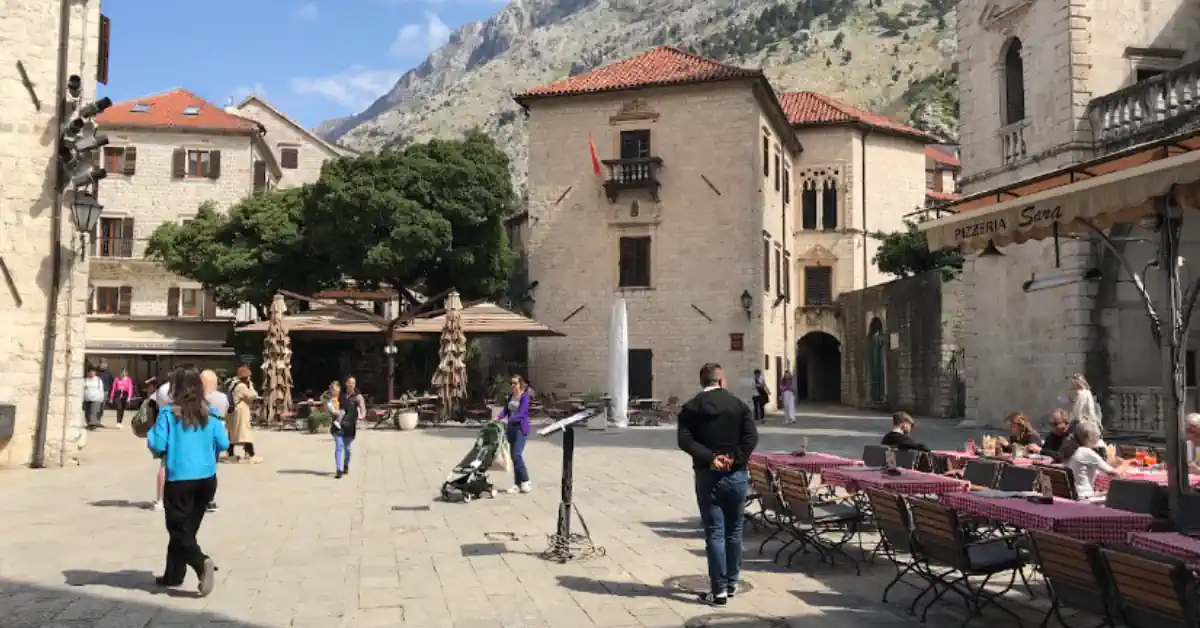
[(686, 523), (128, 579), (580, 584), (320, 474), (28, 604), (121, 503), (411, 508), (679, 533)]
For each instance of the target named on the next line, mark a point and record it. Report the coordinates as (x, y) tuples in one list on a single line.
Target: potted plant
[(318, 421), (405, 417)]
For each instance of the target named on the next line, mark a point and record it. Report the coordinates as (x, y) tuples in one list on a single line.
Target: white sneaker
[(525, 487), (513, 490), (157, 505)]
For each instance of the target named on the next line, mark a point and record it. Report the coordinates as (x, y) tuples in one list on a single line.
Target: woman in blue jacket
[(189, 437), (516, 413)]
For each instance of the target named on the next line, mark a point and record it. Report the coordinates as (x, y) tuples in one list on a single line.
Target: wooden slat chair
[(874, 455), (1075, 576), (1062, 481), (764, 494), (824, 525), (894, 522), (951, 560), (1152, 590), (982, 473)]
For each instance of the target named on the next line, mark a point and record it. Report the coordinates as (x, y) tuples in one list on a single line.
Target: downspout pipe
[(50, 341), (862, 177)]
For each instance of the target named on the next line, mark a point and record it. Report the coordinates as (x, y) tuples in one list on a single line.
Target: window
[(808, 205), (818, 286), (141, 107), (260, 177), (190, 301), (1014, 82), (1145, 74), (778, 271), (737, 342), (111, 300), (191, 111), (102, 49), (1189, 369), (635, 144), (829, 206), (198, 163), (766, 263), (114, 238), (634, 265), (777, 170), (120, 160), (787, 185), (787, 277), (289, 157), (766, 155)]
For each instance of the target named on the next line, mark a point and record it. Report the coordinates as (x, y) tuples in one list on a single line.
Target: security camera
[(75, 86)]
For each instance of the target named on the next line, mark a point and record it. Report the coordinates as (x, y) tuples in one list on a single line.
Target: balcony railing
[(1012, 142), (1154, 107), (1140, 408), (632, 174), (113, 248)]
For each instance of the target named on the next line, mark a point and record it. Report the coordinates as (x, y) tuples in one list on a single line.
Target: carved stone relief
[(635, 109), (1001, 14)]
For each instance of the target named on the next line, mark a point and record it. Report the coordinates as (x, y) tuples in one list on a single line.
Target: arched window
[(1014, 82), (808, 205), (829, 206)]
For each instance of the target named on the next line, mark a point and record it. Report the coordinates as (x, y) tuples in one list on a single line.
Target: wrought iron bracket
[(1156, 328)]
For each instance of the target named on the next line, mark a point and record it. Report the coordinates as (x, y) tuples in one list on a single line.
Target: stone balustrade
[(1140, 408), (1012, 142), (1153, 107)]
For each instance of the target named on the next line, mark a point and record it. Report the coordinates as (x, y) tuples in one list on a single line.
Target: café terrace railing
[(1140, 408)]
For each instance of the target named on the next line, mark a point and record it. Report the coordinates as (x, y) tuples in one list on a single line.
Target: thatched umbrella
[(450, 380), (277, 363)]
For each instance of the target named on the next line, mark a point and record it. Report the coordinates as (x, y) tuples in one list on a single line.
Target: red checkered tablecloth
[(811, 462), (1083, 521), (1174, 544), (907, 483), (1158, 477), (959, 459)]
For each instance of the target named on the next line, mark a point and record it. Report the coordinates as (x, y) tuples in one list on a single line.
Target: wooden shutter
[(818, 286), (124, 300), (210, 305), (126, 238), (102, 50), (767, 264), (787, 277), (130, 160), (179, 163), (260, 176), (92, 246), (778, 272), (172, 301), (214, 164), (91, 296), (289, 158)]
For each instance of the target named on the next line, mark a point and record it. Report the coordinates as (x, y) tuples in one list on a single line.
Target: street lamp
[(85, 211), (747, 302)]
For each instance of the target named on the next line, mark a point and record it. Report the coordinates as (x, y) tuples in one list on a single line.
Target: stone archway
[(876, 362), (819, 368)]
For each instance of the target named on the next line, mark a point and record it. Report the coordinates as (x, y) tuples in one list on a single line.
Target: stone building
[(942, 168), (42, 301), (168, 154), (729, 220), (1061, 107)]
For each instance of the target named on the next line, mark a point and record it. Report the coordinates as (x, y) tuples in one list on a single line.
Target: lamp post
[(747, 303), (85, 214)]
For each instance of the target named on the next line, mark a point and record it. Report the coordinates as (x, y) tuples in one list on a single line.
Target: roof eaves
[(171, 128), (336, 150)]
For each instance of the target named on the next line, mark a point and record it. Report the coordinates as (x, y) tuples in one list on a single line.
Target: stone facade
[(284, 133), (31, 31), (1020, 347), (905, 336)]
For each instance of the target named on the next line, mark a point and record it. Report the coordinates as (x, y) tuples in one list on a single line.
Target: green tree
[(247, 255), (906, 253), (430, 216)]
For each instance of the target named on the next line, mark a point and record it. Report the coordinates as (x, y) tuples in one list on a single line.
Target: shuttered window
[(634, 264), (818, 286)]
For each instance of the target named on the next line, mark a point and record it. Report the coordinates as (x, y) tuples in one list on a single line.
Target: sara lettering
[(1032, 215)]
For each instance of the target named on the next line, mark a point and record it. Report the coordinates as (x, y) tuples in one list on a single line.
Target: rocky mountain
[(889, 56)]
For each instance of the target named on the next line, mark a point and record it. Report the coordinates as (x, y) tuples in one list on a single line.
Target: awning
[(1115, 188), (107, 346), (480, 318)]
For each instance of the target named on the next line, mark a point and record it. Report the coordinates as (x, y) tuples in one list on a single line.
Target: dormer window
[(141, 107), (192, 111)]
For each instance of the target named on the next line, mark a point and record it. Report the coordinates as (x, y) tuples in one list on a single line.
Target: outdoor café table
[(959, 459), (909, 482), (811, 462), (1180, 546), (1158, 477), (1079, 520)]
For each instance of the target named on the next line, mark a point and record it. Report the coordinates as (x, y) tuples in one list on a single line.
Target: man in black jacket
[(717, 430)]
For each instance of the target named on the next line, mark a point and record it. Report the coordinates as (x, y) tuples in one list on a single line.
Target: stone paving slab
[(298, 548)]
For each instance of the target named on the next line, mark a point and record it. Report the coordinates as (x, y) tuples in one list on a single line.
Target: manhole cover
[(735, 620), (699, 584)]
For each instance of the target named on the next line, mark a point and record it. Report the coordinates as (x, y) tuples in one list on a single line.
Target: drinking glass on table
[(1140, 456), (1151, 459)]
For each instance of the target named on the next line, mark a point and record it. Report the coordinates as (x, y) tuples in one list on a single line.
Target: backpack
[(227, 390), (145, 418)]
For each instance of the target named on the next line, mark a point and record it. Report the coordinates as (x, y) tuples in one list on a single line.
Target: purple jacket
[(521, 416)]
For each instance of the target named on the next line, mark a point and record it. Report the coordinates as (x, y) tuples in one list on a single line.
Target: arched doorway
[(819, 368), (876, 364)]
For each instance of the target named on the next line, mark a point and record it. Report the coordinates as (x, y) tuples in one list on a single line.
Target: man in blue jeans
[(717, 430)]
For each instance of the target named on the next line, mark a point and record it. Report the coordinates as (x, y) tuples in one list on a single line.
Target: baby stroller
[(469, 479)]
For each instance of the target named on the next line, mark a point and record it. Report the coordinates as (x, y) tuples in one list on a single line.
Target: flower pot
[(406, 420)]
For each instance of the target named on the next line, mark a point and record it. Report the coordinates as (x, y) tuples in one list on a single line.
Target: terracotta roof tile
[(665, 65), (812, 108), (942, 196), (166, 110), (943, 155)]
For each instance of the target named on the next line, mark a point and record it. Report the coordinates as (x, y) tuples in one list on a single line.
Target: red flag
[(595, 158)]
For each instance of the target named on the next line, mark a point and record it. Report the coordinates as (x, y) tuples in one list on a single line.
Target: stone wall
[(921, 321)]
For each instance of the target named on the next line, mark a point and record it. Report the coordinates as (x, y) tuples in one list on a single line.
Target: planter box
[(407, 420)]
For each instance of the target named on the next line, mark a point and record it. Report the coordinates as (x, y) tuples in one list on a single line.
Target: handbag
[(144, 419), (502, 461)]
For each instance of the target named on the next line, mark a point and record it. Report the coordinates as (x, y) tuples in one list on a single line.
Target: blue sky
[(313, 59)]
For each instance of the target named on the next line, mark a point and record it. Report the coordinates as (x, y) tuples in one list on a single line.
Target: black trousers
[(760, 407), (246, 447), (184, 503)]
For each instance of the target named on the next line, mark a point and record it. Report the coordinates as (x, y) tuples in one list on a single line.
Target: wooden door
[(641, 374)]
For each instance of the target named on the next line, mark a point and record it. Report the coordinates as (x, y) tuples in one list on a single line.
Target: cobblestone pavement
[(296, 547)]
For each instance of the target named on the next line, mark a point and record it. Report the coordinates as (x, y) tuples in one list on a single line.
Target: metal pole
[(1172, 365), (564, 508)]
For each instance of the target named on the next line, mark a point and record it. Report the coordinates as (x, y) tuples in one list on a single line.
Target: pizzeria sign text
[(1028, 217)]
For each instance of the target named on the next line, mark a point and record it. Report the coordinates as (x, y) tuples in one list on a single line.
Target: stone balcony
[(1149, 110), (1140, 408)]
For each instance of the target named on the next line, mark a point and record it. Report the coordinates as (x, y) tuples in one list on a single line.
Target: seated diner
[(1085, 463), (1060, 443), (900, 436), (1192, 425), (1020, 434)]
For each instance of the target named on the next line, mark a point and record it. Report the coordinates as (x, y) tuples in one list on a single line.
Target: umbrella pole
[(1170, 354)]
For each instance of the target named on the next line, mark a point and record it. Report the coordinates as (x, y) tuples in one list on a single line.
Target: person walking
[(217, 401), (516, 416), (241, 432), (787, 390), (718, 431), (120, 395), (761, 396), (189, 436), (93, 399), (1084, 408), (348, 408), (159, 395), (106, 377)]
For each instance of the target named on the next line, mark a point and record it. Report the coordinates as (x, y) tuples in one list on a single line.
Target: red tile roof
[(166, 111), (665, 65), (942, 196), (944, 156), (812, 109)]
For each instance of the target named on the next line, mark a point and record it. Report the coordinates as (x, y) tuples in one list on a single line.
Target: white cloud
[(421, 39), (354, 88), (307, 12), (245, 91)]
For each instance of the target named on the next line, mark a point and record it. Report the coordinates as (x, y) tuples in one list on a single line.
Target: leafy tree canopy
[(906, 253)]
